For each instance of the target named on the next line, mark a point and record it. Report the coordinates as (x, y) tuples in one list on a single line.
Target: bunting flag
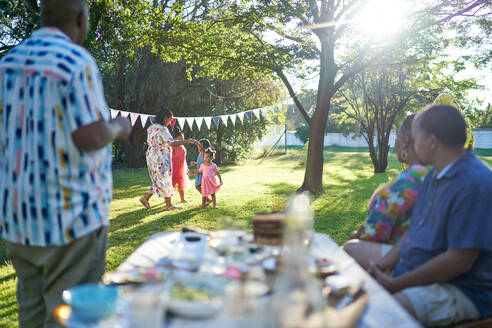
[(264, 112), (216, 120), (143, 119), (256, 112), (133, 118), (181, 122), (199, 122), (208, 121), (235, 118), (190, 121), (113, 113), (240, 116)]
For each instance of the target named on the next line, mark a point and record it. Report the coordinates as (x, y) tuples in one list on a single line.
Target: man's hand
[(125, 127), (385, 280)]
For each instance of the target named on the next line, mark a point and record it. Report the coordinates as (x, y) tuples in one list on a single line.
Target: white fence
[(483, 139)]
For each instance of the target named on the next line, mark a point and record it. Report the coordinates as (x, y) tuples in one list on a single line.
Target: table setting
[(280, 275)]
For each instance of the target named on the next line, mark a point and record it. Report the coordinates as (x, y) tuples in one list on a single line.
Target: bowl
[(91, 302)]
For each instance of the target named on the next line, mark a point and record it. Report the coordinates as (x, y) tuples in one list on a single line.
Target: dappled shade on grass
[(249, 188)]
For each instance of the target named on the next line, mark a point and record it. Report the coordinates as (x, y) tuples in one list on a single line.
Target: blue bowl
[(91, 302)]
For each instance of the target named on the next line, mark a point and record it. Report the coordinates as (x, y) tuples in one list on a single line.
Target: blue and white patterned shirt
[(50, 191)]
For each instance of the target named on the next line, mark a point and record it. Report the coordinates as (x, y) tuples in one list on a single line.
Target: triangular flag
[(257, 113), (190, 121), (249, 114), (264, 112), (240, 116), (208, 121), (199, 122), (224, 119), (133, 118), (233, 118), (152, 119), (143, 119), (173, 123), (114, 113), (216, 120), (181, 122), (124, 114)]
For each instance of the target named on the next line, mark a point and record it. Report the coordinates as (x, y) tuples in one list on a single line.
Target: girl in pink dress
[(180, 168), (209, 184)]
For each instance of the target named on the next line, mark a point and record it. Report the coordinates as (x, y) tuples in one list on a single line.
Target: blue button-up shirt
[(454, 210)]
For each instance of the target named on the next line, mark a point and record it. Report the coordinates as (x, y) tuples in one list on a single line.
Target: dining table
[(381, 309)]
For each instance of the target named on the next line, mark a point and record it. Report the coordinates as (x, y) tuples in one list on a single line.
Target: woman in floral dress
[(159, 159), (391, 206)]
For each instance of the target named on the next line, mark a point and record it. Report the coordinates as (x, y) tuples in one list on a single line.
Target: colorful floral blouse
[(391, 207)]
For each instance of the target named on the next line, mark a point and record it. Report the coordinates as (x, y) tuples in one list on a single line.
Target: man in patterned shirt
[(55, 161)]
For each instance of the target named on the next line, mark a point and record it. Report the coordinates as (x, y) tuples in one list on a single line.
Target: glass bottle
[(297, 299)]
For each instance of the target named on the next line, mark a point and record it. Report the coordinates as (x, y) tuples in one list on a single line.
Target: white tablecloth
[(381, 311)]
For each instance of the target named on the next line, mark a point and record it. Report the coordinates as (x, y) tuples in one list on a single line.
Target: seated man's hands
[(388, 282)]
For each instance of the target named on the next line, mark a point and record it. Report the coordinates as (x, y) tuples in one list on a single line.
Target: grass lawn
[(248, 188)]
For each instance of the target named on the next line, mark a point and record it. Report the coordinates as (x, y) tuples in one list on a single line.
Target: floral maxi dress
[(159, 157)]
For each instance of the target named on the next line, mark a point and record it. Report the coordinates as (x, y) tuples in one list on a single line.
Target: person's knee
[(351, 246)]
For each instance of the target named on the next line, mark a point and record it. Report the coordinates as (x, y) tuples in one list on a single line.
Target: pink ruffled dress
[(209, 184)]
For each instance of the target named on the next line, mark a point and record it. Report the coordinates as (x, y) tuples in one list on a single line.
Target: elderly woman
[(391, 206), (159, 153)]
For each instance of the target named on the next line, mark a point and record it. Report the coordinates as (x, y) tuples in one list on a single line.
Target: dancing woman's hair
[(162, 115), (210, 153)]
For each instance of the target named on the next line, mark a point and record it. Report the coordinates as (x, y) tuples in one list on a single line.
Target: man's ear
[(433, 142), (80, 20)]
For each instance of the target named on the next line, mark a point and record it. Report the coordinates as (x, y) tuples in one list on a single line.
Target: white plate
[(193, 309)]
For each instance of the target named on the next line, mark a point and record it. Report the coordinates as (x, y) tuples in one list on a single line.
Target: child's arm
[(193, 172), (192, 163), (199, 146), (218, 174)]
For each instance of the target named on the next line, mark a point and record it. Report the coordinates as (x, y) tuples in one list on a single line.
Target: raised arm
[(97, 135), (181, 142)]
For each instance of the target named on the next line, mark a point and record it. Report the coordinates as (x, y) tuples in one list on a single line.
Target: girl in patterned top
[(391, 206)]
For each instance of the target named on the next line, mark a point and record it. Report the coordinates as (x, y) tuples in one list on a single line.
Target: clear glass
[(297, 300)]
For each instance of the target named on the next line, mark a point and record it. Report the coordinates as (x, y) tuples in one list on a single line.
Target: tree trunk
[(218, 143), (313, 176), (134, 148)]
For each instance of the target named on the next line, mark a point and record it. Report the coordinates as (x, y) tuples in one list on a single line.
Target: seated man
[(443, 264)]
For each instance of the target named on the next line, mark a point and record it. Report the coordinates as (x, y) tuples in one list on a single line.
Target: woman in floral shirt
[(159, 152), (391, 206)]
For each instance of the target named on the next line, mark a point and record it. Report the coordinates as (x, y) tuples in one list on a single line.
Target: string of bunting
[(235, 118)]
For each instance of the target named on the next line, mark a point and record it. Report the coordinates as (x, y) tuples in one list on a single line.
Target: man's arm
[(389, 261), (96, 135), (442, 268)]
